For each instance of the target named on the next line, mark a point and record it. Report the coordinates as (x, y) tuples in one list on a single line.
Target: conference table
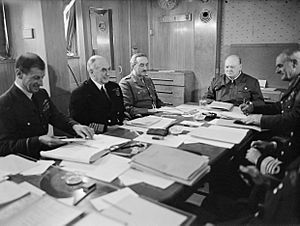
[(52, 181)]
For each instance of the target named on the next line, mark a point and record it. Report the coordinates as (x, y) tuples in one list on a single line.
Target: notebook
[(175, 164)]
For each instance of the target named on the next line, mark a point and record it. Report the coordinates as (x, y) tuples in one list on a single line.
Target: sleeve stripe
[(270, 166)]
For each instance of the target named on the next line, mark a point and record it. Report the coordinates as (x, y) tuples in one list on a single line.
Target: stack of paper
[(221, 105), (133, 210), (220, 133), (174, 164), (234, 124), (13, 164), (86, 152)]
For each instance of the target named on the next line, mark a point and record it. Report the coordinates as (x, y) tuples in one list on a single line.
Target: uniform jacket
[(23, 120), (89, 105), (244, 88), (139, 96), (284, 119)]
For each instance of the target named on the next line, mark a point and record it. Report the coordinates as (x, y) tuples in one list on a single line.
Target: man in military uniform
[(282, 118), (98, 102), (234, 86), (26, 110), (140, 97)]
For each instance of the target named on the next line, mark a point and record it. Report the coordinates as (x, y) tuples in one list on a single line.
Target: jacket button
[(282, 111), (292, 133), (280, 186), (282, 152), (28, 123), (275, 191), (290, 144), (109, 121)]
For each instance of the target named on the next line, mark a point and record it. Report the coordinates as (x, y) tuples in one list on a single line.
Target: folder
[(171, 163), (85, 152)]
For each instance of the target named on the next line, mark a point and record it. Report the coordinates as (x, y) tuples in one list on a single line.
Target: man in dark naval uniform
[(282, 118), (98, 102), (234, 86), (26, 110)]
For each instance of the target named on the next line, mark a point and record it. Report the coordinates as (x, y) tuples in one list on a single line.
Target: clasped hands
[(81, 130)]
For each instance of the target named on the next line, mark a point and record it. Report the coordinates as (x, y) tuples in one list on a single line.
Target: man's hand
[(51, 141), (252, 119), (247, 108), (263, 145), (252, 155), (84, 131), (252, 171)]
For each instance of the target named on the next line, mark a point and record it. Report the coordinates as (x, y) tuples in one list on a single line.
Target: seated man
[(234, 86), (98, 102), (26, 110), (282, 118), (140, 97)]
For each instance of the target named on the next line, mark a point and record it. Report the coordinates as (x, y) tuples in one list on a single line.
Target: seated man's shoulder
[(249, 77), (126, 79)]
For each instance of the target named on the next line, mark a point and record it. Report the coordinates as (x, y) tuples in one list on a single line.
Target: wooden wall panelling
[(55, 45), (7, 75), (138, 35), (188, 45)]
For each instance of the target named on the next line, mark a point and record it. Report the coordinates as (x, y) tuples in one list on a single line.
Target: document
[(42, 166), (106, 201), (133, 176), (174, 164), (235, 113), (110, 167), (86, 152), (188, 139), (232, 123), (144, 122), (13, 164), (10, 191), (135, 211), (220, 133), (45, 211), (221, 105)]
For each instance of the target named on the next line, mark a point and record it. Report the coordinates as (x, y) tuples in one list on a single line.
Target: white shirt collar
[(97, 84), (29, 95)]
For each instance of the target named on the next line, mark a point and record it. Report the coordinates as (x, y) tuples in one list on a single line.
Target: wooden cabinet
[(175, 87)]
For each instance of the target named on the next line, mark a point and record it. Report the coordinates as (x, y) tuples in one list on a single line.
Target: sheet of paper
[(170, 140), (163, 123), (42, 166), (10, 191), (220, 133), (96, 218), (193, 140), (47, 212), (144, 122), (110, 167), (136, 211), (33, 189), (14, 164), (231, 123), (105, 201), (133, 176)]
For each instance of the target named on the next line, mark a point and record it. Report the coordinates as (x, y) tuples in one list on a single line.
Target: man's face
[(99, 71), (32, 81), (141, 66), (284, 68), (232, 67)]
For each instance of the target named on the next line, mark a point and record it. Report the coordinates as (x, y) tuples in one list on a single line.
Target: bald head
[(98, 67), (233, 66)]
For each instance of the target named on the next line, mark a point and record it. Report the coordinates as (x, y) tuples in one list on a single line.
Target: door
[(107, 33)]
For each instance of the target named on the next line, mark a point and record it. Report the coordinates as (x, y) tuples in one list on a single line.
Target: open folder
[(87, 151), (171, 163)]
